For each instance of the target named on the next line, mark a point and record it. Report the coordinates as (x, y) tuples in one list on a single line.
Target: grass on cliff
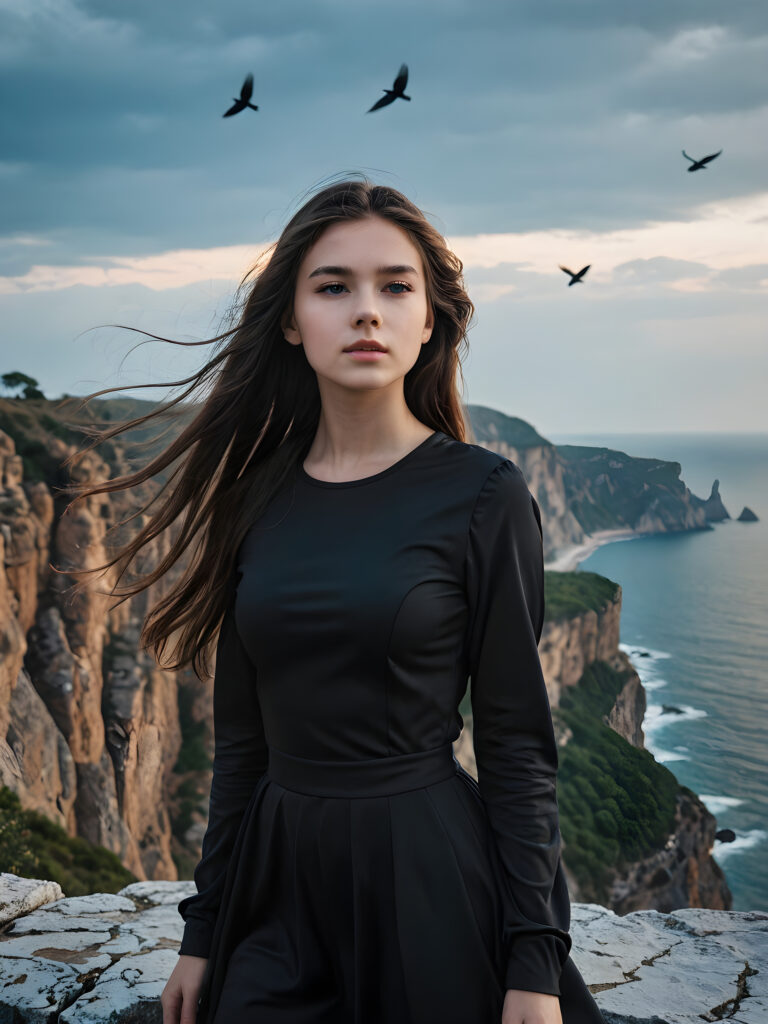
[(33, 846), (617, 803), (568, 594)]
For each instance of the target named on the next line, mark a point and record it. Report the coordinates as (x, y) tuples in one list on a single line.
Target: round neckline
[(374, 476)]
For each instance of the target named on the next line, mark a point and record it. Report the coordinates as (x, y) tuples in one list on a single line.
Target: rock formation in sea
[(713, 506), (747, 515)]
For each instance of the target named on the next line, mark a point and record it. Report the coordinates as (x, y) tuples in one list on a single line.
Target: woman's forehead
[(357, 247)]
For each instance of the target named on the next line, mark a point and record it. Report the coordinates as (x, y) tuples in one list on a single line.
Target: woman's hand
[(179, 997), (529, 1008)]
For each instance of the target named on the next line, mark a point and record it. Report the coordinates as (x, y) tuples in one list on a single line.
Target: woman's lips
[(366, 355)]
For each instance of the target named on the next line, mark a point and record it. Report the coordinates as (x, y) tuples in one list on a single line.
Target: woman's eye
[(392, 284)]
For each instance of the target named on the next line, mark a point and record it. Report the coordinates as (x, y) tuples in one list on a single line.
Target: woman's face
[(361, 279)]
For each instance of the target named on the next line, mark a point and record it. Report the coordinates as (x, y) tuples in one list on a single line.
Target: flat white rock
[(107, 957)]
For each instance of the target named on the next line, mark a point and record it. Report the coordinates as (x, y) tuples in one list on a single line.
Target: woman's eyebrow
[(398, 268)]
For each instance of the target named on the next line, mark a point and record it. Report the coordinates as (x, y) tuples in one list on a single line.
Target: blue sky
[(539, 133)]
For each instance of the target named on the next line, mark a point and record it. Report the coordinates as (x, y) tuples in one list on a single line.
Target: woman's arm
[(240, 759), (514, 740)]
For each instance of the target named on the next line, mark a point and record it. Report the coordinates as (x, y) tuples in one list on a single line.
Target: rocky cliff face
[(89, 727), (569, 645), (543, 469), (681, 874), (582, 489)]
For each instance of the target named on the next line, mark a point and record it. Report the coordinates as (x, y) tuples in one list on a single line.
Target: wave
[(644, 652), (646, 663), (657, 718), (721, 851), (666, 755), (652, 684), (717, 804)]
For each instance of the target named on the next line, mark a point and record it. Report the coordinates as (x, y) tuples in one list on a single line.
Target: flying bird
[(245, 98), (575, 278), (698, 165), (390, 95)]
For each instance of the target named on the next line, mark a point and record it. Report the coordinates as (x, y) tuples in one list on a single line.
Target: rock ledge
[(106, 957)]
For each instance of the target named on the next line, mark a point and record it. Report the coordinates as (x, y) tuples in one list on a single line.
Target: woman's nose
[(367, 314)]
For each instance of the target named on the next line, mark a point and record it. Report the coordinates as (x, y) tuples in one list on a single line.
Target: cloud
[(162, 272), (658, 270), (748, 278), (691, 45), (721, 235), (725, 237), (22, 240), (524, 117)]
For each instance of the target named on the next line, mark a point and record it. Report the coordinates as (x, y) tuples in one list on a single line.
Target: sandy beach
[(568, 558)]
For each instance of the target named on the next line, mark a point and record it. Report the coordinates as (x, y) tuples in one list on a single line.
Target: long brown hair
[(259, 418)]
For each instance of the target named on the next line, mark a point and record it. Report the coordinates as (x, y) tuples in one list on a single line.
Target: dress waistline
[(378, 776)]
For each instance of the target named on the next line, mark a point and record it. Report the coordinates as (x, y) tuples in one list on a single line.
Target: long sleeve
[(240, 759), (514, 739)]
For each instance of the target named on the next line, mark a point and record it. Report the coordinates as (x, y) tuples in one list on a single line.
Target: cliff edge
[(107, 957)]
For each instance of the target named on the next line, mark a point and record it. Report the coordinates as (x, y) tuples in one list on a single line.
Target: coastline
[(568, 558)]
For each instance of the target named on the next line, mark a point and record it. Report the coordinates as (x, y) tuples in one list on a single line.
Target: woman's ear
[(429, 326), (291, 333)]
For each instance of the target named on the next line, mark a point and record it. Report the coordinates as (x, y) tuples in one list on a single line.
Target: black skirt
[(365, 895)]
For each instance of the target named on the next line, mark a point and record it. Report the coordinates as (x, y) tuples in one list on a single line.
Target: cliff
[(89, 727), (107, 957), (583, 489), (618, 850)]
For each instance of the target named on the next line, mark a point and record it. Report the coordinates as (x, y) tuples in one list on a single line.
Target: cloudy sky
[(538, 133)]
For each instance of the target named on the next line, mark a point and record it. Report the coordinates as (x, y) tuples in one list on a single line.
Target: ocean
[(694, 622)]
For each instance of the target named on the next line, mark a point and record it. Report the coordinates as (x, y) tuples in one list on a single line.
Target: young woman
[(363, 561)]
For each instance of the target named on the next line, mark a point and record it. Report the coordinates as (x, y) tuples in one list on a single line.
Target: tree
[(16, 379)]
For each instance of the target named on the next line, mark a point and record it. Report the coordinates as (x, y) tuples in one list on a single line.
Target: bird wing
[(566, 270), (688, 157), (583, 270), (236, 107), (706, 159), (382, 102), (402, 78), (247, 91)]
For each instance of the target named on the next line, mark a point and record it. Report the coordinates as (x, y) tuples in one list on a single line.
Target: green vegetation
[(31, 426), (487, 422), (616, 489), (16, 380), (33, 846), (568, 594), (193, 756), (617, 803), (191, 794)]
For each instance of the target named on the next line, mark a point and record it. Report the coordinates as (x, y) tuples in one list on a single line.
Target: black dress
[(352, 872)]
